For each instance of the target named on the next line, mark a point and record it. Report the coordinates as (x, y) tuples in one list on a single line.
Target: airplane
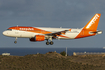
[(37, 34)]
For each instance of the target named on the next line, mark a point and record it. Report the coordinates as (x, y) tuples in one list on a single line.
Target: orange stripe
[(34, 30), (63, 36), (85, 33), (70, 30), (30, 29)]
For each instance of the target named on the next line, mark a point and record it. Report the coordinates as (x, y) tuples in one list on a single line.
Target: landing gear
[(15, 40), (51, 43), (47, 43)]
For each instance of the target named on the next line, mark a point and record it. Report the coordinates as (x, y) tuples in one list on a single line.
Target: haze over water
[(26, 51)]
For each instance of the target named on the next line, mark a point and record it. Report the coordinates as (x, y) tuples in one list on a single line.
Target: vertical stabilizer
[(93, 23)]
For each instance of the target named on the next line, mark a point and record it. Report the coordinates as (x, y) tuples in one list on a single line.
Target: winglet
[(93, 23)]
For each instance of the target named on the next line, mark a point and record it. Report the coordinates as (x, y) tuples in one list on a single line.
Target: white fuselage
[(42, 33), (25, 34)]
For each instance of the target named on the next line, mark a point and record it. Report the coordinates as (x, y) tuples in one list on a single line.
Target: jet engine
[(38, 38)]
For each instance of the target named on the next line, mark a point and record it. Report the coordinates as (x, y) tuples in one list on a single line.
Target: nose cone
[(5, 33)]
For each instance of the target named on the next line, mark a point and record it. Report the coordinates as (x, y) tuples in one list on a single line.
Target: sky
[(51, 13)]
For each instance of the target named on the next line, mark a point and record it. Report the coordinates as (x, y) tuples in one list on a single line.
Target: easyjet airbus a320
[(42, 33)]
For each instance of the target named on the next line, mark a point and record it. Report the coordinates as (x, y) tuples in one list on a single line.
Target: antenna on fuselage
[(17, 25)]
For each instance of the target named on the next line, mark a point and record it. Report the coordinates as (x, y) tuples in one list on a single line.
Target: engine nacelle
[(38, 38)]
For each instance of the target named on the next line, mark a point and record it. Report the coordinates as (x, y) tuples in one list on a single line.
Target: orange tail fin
[(93, 23)]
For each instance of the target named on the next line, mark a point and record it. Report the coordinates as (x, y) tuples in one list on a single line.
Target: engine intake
[(37, 38)]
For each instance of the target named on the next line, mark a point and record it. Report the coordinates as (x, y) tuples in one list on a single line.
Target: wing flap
[(57, 33)]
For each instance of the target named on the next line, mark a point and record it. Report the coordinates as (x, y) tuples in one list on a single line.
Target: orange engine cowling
[(38, 38)]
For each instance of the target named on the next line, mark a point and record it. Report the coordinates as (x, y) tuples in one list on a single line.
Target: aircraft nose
[(5, 33)]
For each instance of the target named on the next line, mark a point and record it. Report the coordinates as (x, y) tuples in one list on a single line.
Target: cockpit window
[(9, 29)]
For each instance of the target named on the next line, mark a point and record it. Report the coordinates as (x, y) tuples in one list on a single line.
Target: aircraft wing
[(57, 33)]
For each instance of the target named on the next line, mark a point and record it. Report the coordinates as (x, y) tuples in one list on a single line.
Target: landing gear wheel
[(51, 43), (47, 43), (15, 42)]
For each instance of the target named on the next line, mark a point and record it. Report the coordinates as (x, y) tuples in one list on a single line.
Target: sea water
[(26, 51)]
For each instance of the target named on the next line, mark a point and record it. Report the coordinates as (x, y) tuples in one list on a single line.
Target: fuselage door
[(16, 32)]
